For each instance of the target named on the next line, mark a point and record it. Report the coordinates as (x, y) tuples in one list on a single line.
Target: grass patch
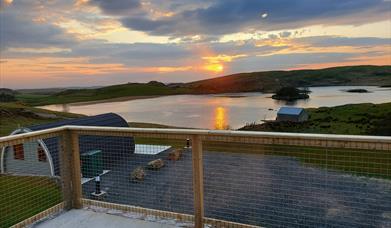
[(25, 196), (109, 92), (351, 119)]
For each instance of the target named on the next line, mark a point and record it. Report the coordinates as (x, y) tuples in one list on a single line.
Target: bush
[(290, 94), (7, 97)]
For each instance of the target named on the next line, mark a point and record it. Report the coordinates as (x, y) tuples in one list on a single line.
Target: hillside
[(103, 93), (14, 115), (351, 119), (268, 81)]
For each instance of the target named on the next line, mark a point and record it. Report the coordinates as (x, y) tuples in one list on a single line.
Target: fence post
[(198, 181), (70, 170)]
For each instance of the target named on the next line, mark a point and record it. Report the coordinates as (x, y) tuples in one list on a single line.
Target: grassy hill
[(14, 115), (268, 81), (352, 119), (109, 92)]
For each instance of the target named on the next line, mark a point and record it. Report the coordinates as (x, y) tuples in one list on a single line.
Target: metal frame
[(41, 143)]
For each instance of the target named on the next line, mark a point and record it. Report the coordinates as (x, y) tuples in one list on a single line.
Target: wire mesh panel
[(29, 179), (248, 178), (297, 186), (145, 172)]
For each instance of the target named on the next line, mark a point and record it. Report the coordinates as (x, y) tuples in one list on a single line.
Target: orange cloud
[(222, 58), (162, 69), (154, 11), (274, 42), (81, 2), (8, 2), (80, 66), (84, 30)]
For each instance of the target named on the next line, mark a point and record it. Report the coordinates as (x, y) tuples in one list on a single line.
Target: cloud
[(285, 34), (329, 41), (53, 39), (5, 3), (116, 7), (20, 32), (146, 25), (286, 61), (184, 54), (230, 16)]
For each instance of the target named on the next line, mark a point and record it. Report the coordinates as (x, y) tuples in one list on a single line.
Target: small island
[(357, 91), (290, 94)]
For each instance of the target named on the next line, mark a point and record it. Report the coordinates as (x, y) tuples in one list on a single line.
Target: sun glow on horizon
[(215, 68)]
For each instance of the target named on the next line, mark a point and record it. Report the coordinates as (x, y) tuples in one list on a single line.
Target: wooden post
[(70, 170), (198, 181), (76, 174), (65, 152)]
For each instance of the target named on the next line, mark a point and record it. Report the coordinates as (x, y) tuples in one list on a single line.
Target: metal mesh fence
[(297, 186), (144, 172), (29, 179), (257, 180)]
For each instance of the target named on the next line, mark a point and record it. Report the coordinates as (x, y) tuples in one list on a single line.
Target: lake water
[(222, 111)]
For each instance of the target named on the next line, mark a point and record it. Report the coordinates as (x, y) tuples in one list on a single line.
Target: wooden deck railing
[(70, 158)]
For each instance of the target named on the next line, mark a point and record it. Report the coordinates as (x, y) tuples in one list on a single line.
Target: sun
[(216, 68), (219, 68)]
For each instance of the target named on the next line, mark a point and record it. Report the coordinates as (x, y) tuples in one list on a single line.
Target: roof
[(290, 111), (102, 120)]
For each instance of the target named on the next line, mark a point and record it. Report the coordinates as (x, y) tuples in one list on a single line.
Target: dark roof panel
[(102, 120), (290, 111)]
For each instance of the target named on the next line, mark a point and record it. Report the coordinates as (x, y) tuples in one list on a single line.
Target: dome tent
[(114, 148)]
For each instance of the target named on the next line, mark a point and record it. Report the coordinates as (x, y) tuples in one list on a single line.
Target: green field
[(270, 81), (109, 92), (25, 196), (15, 115), (351, 119)]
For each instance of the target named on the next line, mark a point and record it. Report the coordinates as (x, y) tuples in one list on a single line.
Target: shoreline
[(129, 98), (116, 99)]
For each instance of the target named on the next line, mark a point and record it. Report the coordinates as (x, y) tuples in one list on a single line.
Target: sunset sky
[(58, 43)]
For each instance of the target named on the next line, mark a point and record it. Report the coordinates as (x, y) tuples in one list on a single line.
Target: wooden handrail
[(70, 159)]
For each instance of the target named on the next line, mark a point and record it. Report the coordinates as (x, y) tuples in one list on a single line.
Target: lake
[(222, 111)]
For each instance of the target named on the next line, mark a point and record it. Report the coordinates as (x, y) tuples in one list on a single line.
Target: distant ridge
[(268, 81)]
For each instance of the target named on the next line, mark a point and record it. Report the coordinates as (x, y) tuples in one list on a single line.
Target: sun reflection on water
[(220, 118)]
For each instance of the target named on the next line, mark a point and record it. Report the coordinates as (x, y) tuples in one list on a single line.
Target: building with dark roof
[(41, 157), (292, 114)]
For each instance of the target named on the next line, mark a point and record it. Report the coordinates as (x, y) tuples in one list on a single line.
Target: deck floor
[(87, 218), (256, 189)]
